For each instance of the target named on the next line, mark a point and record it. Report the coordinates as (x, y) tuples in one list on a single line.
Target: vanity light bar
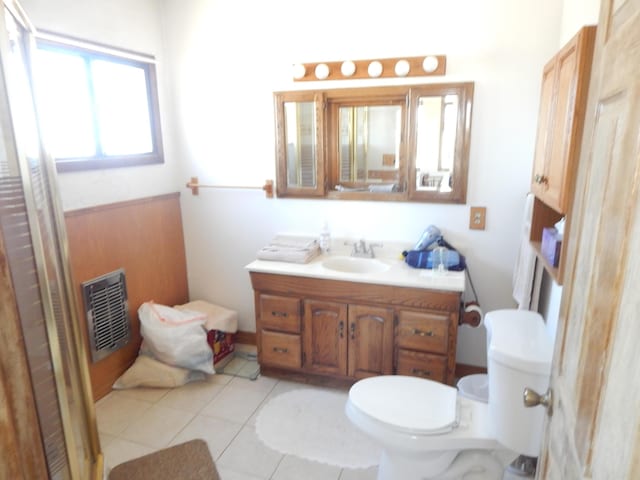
[(430, 65)]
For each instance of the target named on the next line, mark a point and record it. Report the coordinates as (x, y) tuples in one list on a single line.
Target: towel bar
[(195, 186)]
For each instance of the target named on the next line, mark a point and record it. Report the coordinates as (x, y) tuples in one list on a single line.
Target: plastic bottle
[(325, 238)]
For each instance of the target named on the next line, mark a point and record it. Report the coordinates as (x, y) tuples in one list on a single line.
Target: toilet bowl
[(428, 430), (423, 426)]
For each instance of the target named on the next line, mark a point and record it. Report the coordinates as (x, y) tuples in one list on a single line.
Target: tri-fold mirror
[(404, 143)]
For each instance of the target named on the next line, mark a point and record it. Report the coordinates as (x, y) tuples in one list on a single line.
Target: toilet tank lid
[(518, 339)]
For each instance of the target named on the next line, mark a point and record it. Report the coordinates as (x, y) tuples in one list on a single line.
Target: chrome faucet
[(361, 249)]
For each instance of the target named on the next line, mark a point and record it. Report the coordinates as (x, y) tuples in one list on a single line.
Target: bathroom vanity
[(336, 320)]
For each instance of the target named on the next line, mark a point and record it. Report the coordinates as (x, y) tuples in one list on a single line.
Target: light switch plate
[(477, 218)]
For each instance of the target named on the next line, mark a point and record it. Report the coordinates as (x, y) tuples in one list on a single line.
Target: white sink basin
[(355, 265)]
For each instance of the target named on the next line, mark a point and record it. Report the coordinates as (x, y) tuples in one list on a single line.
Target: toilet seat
[(407, 404)]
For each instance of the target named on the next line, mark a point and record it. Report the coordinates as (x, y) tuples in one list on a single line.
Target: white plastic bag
[(175, 337)]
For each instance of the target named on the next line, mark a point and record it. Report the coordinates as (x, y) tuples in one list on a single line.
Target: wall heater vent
[(107, 312)]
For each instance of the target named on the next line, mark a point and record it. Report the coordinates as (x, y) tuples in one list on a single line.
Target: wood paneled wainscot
[(341, 331)]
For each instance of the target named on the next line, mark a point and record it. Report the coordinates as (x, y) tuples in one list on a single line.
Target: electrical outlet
[(477, 218)]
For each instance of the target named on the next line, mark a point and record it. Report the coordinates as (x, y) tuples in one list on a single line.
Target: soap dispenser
[(325, 238)]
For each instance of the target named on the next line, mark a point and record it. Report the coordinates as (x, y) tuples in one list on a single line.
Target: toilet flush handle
[(532, 398)]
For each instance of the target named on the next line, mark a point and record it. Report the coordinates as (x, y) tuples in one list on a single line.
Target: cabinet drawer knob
[(279, 314), (422, 373), (422, 333), (353, 331), (280, 350), (341, 329), (541, 179)]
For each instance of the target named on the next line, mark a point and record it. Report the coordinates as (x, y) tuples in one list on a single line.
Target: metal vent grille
[(107, 312)]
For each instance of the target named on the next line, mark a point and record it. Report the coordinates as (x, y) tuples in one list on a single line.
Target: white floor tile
[(105, 439), (216, 432), (261, 384), (359, 473), (119, 451), (227, 474), (192, 397), (157, 426), (295, 468), (116, 411), (234, 404), (151, 395), (247, 454), (219, 378)]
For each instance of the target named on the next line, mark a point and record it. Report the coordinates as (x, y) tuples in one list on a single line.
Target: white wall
[(220, 61), (133, 25), (576, 14), (228, 57)]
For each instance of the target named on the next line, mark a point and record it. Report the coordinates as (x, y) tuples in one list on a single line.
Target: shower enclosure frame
[(32, 197)]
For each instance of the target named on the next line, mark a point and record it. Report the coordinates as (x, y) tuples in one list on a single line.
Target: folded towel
[(217, 317), (293, 241), (288, 254)]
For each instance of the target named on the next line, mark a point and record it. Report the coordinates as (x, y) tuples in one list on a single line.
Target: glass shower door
[(35, 247)]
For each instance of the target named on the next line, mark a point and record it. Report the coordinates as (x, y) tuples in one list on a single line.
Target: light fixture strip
[(306, 71)]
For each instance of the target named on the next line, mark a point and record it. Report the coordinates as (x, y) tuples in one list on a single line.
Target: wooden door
[(370, 341), (325, 337), (594, 431)]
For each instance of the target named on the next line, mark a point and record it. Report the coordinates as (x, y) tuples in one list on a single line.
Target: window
[(98, 106)]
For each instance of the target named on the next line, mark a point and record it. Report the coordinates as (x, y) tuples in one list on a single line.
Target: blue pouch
[(424, 258)]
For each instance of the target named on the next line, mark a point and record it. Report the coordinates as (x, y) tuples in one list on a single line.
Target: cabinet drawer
[(425, 365), (281, 349), (428, 331), (280, 313)]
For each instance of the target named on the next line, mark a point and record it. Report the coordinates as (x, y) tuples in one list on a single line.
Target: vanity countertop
[(398, 274)]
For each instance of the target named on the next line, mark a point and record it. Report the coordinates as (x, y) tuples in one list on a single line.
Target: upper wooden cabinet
[(565, 82)]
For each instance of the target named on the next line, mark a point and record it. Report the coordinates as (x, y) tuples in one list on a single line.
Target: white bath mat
[(311, 423)]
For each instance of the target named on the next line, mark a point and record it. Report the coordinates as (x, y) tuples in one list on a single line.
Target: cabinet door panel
[(428, 331), (561, 130), (325, 337), (280, 313), (281, 350), (425, 365), (545, 124), (370, 341)]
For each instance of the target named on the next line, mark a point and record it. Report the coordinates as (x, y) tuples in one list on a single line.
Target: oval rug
[(312, 424)]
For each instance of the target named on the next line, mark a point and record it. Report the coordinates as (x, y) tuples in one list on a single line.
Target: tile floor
[(221, 410)]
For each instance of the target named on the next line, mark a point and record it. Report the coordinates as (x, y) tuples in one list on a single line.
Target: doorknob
[(532, 398)]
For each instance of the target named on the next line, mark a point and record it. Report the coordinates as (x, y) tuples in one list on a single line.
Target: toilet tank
[(519, 355)]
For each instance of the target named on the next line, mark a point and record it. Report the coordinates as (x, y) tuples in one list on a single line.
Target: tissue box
[(551, 244), (222, 344)]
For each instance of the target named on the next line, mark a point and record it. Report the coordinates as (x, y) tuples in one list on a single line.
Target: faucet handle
[(371, 245)]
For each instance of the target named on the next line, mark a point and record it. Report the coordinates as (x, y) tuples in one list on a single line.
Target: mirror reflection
[(402, 143), (436, 122), (301, 151), (369, 146)]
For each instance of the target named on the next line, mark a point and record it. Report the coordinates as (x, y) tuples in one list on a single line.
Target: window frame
[(90, 50)]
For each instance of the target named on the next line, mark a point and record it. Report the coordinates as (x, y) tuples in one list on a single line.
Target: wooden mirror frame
[(327, 104)]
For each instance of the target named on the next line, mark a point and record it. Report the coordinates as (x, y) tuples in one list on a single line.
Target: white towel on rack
[(524, 269)]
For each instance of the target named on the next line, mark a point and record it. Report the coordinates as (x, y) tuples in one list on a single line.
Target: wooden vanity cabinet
[(310, 328), (348, 340), (422, 340)]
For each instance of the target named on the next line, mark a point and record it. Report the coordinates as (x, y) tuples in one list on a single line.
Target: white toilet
[(427, 430)]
